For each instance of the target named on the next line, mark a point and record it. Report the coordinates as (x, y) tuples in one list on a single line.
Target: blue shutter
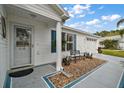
[(53, 41), (74, 46)]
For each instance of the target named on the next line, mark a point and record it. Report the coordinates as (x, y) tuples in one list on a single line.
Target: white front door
[(22, 46)]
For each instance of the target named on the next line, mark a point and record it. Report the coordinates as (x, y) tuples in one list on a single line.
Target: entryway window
[(53, 41)]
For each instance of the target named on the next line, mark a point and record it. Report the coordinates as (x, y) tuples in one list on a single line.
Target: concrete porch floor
[(106, 76), (33, 80)]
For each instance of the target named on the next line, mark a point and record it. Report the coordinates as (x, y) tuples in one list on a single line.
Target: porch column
[(58, 47)]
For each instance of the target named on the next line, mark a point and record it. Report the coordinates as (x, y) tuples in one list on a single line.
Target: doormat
[(21, 73)]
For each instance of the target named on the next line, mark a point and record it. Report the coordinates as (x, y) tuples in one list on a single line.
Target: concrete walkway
[(106, 76)]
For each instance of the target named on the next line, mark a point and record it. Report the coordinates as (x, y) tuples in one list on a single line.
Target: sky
[(94, 17)]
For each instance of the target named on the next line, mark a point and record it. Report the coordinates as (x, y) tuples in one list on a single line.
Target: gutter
[(65, 14)]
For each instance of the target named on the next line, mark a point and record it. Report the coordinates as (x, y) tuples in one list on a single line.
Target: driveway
[(109, 58), (107, 76)]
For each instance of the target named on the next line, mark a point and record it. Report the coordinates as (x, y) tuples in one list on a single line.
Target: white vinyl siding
[(3, 54)]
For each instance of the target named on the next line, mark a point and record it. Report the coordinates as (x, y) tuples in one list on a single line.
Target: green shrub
[(110, 44)]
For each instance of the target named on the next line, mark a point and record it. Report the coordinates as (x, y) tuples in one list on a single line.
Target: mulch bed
[(76, 69)]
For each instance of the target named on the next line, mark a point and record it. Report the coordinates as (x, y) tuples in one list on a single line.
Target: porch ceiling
[(16, 11)]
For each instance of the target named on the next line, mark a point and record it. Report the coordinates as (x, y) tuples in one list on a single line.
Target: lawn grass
[(118, 53)]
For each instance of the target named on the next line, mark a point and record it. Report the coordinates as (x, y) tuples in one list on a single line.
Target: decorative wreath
[(3, 25)]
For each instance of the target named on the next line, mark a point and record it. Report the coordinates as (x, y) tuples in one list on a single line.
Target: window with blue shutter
[(53, 41)]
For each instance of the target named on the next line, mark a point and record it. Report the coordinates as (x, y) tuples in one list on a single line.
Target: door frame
[(12, 44)]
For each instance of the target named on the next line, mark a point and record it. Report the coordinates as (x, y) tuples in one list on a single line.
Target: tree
[(108, 33), (121, 21)]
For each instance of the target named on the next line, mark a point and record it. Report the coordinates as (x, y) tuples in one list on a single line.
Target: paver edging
[(74, 81), (119, 82)]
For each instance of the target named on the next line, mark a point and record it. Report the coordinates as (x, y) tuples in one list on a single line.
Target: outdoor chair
[(82, 55), (91, 56), (78, 55), (72, 55), (75, 54), (88, 55)]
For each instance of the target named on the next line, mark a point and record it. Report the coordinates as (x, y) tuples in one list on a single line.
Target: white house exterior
[(116, 37), (85, 42), (37, 24)]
